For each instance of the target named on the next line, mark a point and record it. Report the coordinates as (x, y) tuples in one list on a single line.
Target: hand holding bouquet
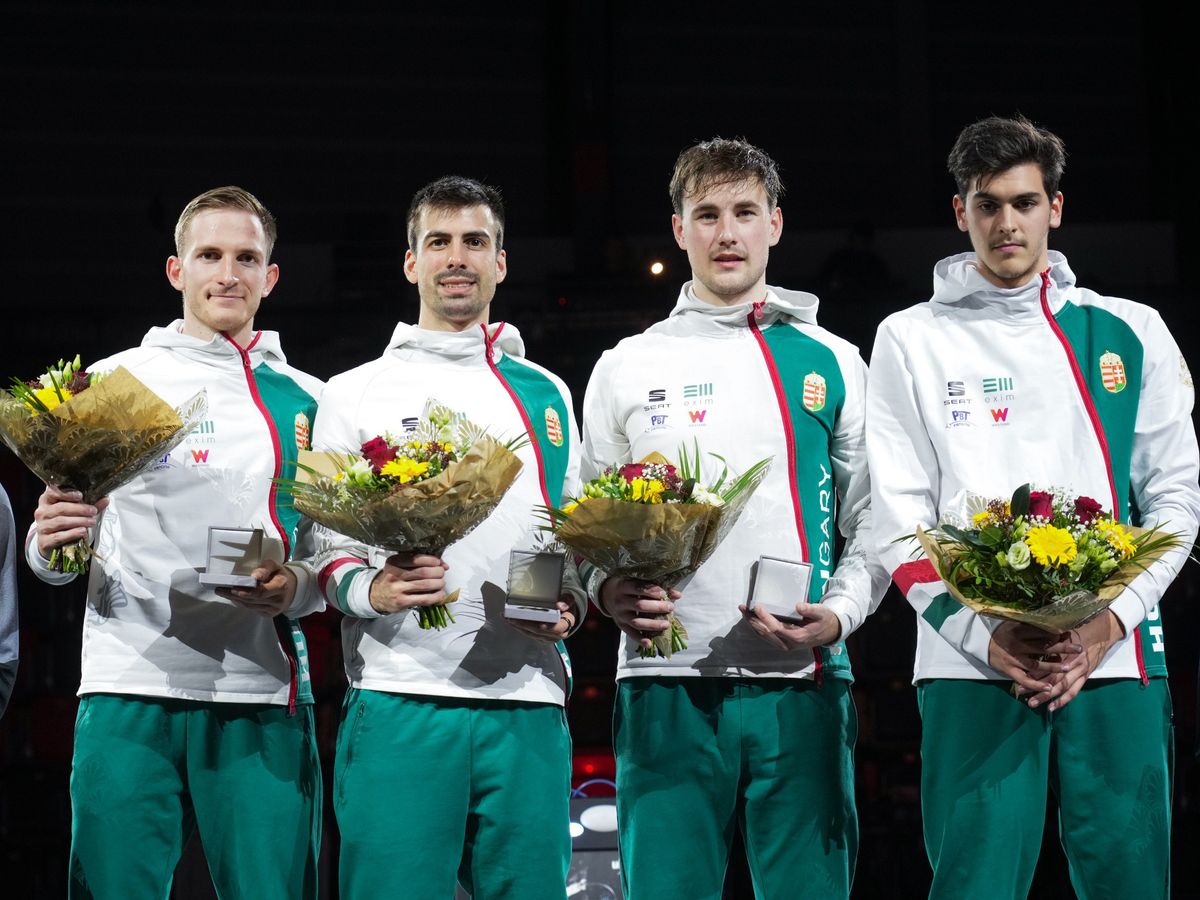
[(1050, 560), (655, 522), (91, 434), (418, 493)]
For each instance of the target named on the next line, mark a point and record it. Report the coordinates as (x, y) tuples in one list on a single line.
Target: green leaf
[(1020, 501), (992, 536)]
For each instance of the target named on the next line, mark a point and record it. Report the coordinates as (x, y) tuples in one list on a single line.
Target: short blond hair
[(228, 197)]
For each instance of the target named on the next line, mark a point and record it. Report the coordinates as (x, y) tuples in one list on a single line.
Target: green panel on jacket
[(292, 412), (547, 413), (815, 392), (1110, 355)]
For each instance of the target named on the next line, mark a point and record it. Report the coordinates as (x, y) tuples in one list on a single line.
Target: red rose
[(378, 453), (630, 471), (1041, 504), (1087, 510)]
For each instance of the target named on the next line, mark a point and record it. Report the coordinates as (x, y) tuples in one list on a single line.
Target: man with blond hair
[(196, 707)]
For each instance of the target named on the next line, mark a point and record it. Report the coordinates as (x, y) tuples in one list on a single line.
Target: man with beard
[(1012, 374), (453, 757), (196, 708), (752, 726)]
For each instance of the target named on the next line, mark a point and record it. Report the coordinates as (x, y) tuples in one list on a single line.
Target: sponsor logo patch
[(697, 416), (303, 431), (691, 391), (1000, 416), (658, 422), (410, 423), (996, 385), (657, 395), (955, 389), (1112, 373), (200, 456), (814, 392), (554, 429)]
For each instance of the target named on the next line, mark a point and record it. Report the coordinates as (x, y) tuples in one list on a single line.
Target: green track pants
[(699, 757), (147, 771), (987, 760), (428, 790)]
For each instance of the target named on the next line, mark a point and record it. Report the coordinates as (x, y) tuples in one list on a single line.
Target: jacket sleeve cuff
[(1129, 610), (308, 598), (40, 565), (978, 640), (358, 596), (845, 610)]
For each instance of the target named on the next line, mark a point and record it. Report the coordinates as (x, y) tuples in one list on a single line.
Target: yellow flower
[(49, 397), (647, 490), (980, 519), (1119, 538), (1051, 546), (404, 469)]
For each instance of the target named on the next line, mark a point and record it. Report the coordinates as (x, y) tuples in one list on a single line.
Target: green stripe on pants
[(146, 770), (430, 789), (987, 761), (699, 757)]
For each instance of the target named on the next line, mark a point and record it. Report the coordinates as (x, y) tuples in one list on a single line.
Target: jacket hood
[(458, 344), (957, 282), (779, 303), (264, 344)]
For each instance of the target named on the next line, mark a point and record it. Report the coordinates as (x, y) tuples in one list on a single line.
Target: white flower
[(705, 496), (1018, 556), (360, 472)]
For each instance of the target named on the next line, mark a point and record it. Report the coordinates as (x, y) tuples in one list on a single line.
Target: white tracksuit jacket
[(985, 389), (748, 382), (479, 656), (151, 628)]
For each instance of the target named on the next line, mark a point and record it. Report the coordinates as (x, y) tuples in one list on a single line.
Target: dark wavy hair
[(996, 144)]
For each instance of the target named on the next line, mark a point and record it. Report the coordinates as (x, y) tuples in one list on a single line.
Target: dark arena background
[(115, 114)]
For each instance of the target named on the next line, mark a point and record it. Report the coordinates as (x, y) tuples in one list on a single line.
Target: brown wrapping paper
[(1062, 614), (101, 438), (426, 516), (662, 543)]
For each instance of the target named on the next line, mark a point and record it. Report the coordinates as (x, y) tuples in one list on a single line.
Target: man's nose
[(725, 232)]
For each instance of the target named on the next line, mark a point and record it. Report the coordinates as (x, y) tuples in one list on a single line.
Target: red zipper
[(789, 438), (1098, 428), (244, 353)]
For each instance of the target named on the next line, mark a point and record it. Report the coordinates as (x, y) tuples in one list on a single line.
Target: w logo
[(200, 456), (1000, 415), (697, 415)]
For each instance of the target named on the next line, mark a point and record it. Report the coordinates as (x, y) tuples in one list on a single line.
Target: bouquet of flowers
[(1048, 559), (418, 493), (90, 433), (655, 522)]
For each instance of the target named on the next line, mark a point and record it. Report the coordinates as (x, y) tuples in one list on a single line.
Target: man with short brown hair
[(752, 727)]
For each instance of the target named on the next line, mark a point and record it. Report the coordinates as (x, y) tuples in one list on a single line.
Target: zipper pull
[(758, 309), (489, 341)]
